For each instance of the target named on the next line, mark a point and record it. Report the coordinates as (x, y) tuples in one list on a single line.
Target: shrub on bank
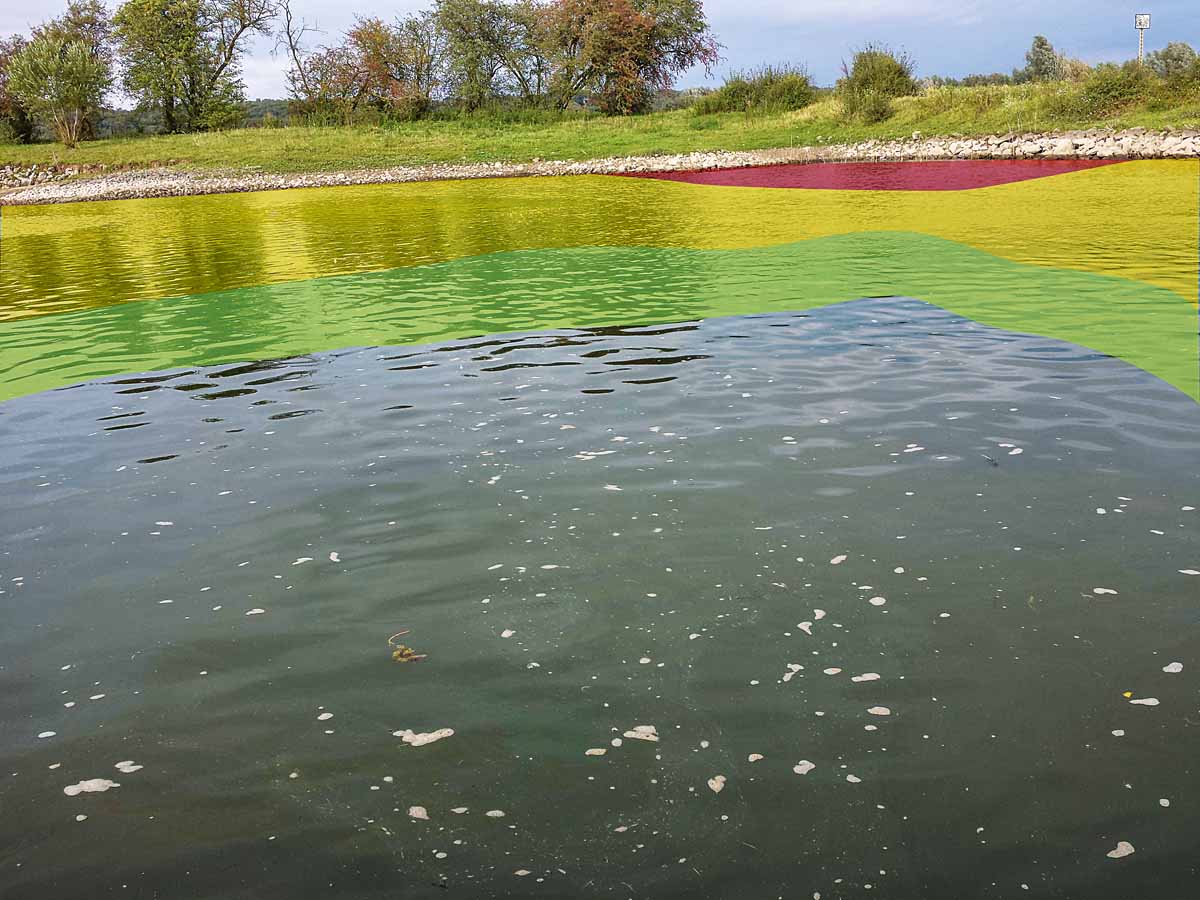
[(767, 89), (1185, 83), (874, 78), (1108, 90)]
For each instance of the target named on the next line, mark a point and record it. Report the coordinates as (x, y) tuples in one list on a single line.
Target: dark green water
[(652, 513)]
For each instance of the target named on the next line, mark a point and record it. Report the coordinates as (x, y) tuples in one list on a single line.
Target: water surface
[(657, 517)]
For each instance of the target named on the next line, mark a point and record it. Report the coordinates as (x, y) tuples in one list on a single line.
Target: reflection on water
[(1133, 220), (723, 529), (1104, 258)]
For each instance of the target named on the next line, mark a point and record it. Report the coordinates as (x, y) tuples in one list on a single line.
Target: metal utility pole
[(1141, 21)]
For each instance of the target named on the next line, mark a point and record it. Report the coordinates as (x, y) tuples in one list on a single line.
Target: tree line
[(1044, 63), (181, 62), (182, 59)]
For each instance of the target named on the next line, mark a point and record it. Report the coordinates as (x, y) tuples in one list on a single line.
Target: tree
[(1172, 60), (1041, 62), (183, 57), (328, 81), (397, 68), (494, 48), (404, 63), (61, 83), (89, 23), (86, 21), (15, 121), (624, 50)]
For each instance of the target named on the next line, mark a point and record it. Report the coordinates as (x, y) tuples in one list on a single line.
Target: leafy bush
[(768, 89), (1110, 88), (1072, 69), (1172, 60), (868, 107), (875, 76), (1185, 82)]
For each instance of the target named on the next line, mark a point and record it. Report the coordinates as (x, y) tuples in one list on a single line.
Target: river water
[(726, 582), (755, 534)]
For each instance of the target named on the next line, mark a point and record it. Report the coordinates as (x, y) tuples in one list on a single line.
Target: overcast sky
[(946, 38)]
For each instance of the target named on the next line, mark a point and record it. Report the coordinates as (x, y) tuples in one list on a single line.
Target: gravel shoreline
[(40, 185)]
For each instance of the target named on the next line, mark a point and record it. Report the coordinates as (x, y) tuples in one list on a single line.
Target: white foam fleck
[(879, 711), (803, 767), (754, 757), (866, 676), (507, 633), (47, 734), (1173, 668), (301, 560), (89, 786), (1189, 572), (1123, 849), (459, 810), (325, 717), (420, 739), (833, 670), (333, 557), (1101, 591), (1145, 701), (819, 614), (495, 813), (853, 779), (418, 812), (257, 611), (717, 783), (838, 560), (806, 627), (1164, 802), (595, 751), (127, 767), (643, 733), (877, 601)]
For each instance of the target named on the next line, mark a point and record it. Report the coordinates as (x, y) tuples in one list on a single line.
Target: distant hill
[(128, 122)]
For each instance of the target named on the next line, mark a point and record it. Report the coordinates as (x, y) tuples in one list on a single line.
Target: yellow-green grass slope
[(937, 111)]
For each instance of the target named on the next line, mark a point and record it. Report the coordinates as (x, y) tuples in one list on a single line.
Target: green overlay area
[(1148, 326)]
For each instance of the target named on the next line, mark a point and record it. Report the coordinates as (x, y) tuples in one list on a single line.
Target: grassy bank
[(965, 111)]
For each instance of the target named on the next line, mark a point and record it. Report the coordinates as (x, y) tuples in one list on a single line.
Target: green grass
[(937, 111)]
